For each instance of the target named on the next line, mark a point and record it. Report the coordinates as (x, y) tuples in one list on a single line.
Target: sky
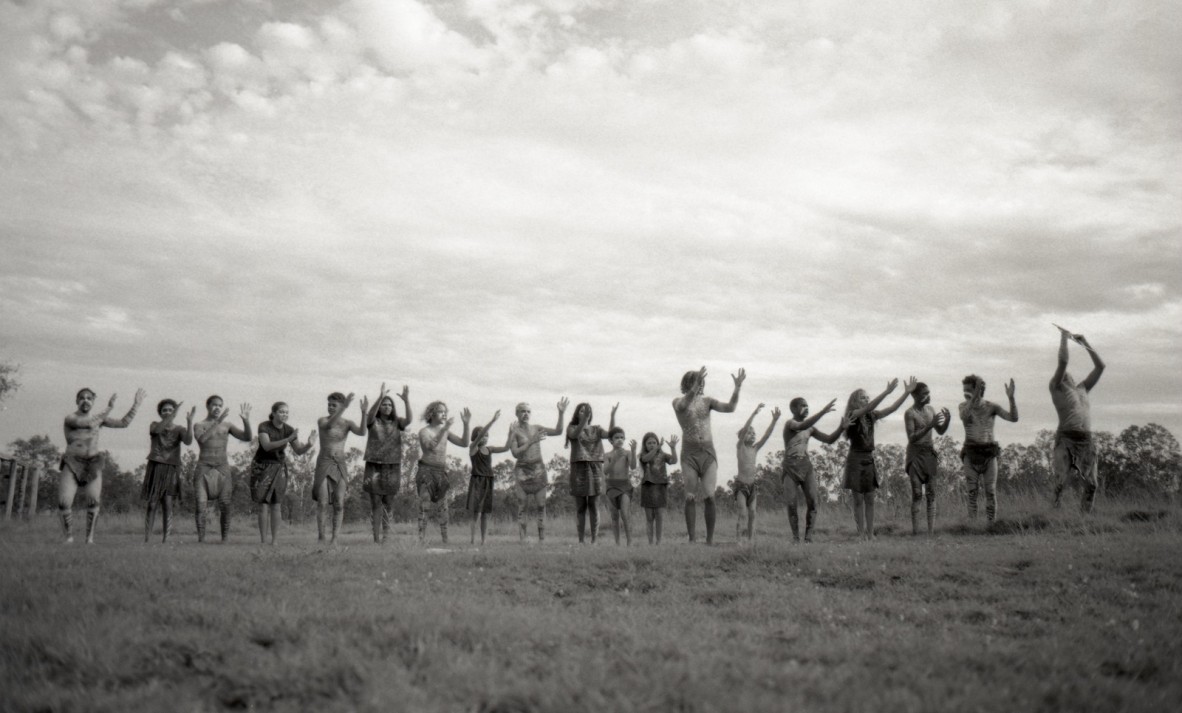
[(494, 201)]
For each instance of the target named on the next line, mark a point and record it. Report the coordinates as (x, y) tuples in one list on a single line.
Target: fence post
[(20, 490), (38, 474), (11, 488)]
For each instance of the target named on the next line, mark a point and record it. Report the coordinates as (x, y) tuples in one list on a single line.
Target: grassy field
[(1050, 612)]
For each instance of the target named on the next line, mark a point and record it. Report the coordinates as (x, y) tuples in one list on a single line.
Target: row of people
[(593, 472)]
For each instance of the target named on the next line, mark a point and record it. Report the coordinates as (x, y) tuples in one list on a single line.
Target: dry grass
[(1047, 611)]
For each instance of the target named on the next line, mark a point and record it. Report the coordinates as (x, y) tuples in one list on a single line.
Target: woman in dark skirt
[(480, 485), (383, 459), (861, 473), (268, 470), (654, 483), (585, 442), (162, 478)]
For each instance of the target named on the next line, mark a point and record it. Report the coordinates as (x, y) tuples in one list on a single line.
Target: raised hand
[(295, 435), (365, 405), (192, 413), (1010, 389), (829, 407), (562, 404), (139, 396), (892, 385), (759, 407), (111, 402), (405, 395), (495, 417), (632, 443), (382, 392), (537, 437), (465, 416), (673, 441), (909, 385), (243, 411), (349, 399), (776, 414), (447, 424), (740, 377), (222, 415), (311, 438), (615, 408)]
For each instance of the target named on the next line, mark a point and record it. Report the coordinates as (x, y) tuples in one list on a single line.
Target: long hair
[(644, 442), (689, 380), (393, 409), (431, 408), (851, 405), (574, 420)]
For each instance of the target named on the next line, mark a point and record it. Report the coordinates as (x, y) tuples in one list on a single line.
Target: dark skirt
[(480, 494), (382, 478), (922, 463), (434, 479), (161, 479), (653, 495), (617, 489), (586, 478), (268, 481), (978, 455), (861, 474), (745, 491)]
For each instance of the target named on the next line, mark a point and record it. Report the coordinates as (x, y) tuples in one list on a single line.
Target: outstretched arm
[(770, 427), (1097, 364), (1012, 414), (127, 417), (336, 415), (476, 442), (301, 449), (187, 436), (914, 430), (672, 458), (729, 406), (404, 422), (1061, 369), (557, 430), (372, 414), (359, 428), (750, 420), (908, 387), (612, 423), (811, 420), (465, 417), (268, 445), (831, 438), (875, 401), (208, 431), (244, 433)]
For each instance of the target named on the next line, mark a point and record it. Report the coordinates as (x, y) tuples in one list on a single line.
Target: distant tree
[(1147, 459), (8, 382)]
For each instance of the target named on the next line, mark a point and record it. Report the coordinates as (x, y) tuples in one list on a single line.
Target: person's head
[(974, 387), (583, 408), (692, 383), (749, 436), (799, 408), (336, 401), (166, 408), (386, 409), (214, 405), (616, 436), (922, 394), (523, 412), (435, 413), (479, 436), (279, 413), (858, 399), (651, 442), (85, 399)]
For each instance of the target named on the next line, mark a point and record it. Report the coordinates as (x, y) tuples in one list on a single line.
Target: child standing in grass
[(480, 485), (654, 484), (617, 468), (747, 450)]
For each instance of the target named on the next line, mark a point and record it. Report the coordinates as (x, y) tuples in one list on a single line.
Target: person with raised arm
[(332, 475), (698, 458), (529, 475), (431, 482), (213, 478), (383, 458), (82, 462), (268, 469), (618, 465), (480, 484), (978, 456), (1074, 458), (747, 453), (797, 470), (162, 475), (654, 482), (585, 441), (861, 473), (922, 463)]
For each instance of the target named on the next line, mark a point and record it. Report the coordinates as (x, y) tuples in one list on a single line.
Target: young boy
[(922, 462), (798, 474), (747, 450), (654, 484), (331, 474), (616, 468), (480, 485)]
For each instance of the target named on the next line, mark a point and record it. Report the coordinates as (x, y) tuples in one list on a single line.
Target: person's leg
[(522, 506), (202, 502), (224, 493), (650, 517), (375, 515), (593, 516), (167, 509), (709, 481), (625, 503), (657, 523), (930, 495), (387, 515), (94, 493), (321, 504), (581, 517), (1060, 470), (790, 497), (693, 482), (540, 501), (149, 520), (67, 488), (740, 515), (810, 502), (751, 509), (614, 502), (483, 525), (869, 500), (973, 480), (338, 506), (276, 516), (1088, 497), (424, 508), (264, 525), (443, 513), (916, 499), (859, 509)]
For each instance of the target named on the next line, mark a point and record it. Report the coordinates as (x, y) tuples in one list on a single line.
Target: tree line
[(1139, 462)]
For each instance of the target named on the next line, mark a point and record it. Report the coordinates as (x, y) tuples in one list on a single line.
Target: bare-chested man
[(922, 462), (82, 463), (431, 482), (798, 474), (213, 478), (699, 461), (331, 474), (979, 455), (1075, 451), (529, 475)]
